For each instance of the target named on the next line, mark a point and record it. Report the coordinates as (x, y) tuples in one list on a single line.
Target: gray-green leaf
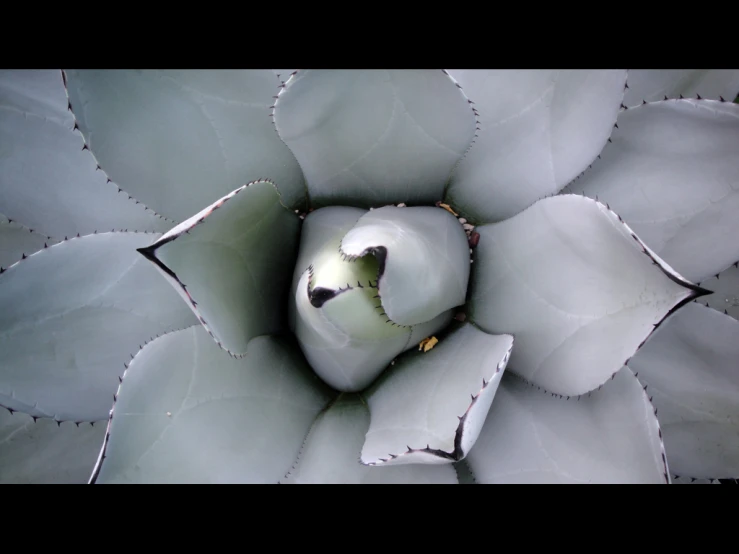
[(187, 412)]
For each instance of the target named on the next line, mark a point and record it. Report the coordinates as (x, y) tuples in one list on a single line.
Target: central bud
[(369, 285), (331, 274)]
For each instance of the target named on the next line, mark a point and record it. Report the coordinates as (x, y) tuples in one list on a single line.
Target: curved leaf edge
[(55, 242), (679, 97), (477, 222), (696, 291), (15, 223), (46, 247), (380, 252), (570, 188), (101, 456), (310, 430), (280, 88), (735, 265), (565, 398), (717, 275), (676, 476), (682, 480), (57, 421), (319, 302), (669, 272), (284, 84), (457, 455), (85, 146), (149, 252), (474, 137)]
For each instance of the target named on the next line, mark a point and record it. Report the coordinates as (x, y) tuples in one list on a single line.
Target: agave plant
[(389, 276)]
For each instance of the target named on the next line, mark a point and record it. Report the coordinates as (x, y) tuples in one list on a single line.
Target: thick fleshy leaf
[(70, 315), (17, 241), (47, 452), (179, 140), (40, 92), (429, 407), (607, 436), (330, 454), (371, 138), (187, 412), (575, 286), (691, 368), (654, 84), (538, 131), (48, 178), (322, 230), (725, 287), (231, 263), (335, 309), (424, 260), (332, 271), (672, 173), (347, 340)]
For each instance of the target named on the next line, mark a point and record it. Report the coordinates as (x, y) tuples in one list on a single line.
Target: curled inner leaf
[(423, 258), (413, 261)]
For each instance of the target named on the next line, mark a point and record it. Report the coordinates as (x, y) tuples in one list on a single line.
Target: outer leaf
[(725, 287), (538, 130), (371, 138), (179, 140), (654, 84), (424, 260), (330, 454), (576, 287), (35, 91), (231, 263), (70, 315), (672, 173), (42, 452), (48, 179), (17, 241), (347, 341), (608, 436), (429, 407), (189, 413), (691, 368)]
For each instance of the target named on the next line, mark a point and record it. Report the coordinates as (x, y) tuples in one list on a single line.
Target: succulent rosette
[(369, 276)]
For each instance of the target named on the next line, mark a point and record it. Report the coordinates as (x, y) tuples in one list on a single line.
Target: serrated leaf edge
[(126, 365), (457, 454), (85, 146), (149, 252)]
